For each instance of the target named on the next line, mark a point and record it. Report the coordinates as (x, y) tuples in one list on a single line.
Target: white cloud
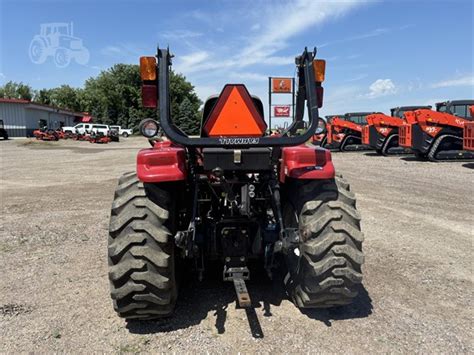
[(289, 20), (123, 50), (464, 81), (180, 34), (356, 78), (276, 60), (239, 76), (188, 63), (282, 22), (111, 50), (255, 27), (354, 56), (381, 87), (2, 76), (374, 33)]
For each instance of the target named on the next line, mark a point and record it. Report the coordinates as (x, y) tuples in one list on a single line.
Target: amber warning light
[(149, 82)]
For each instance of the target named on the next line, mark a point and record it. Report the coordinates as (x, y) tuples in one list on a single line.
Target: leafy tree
[(114, 97), (43, 96), (64, 96), (13, 90), (188, 119)]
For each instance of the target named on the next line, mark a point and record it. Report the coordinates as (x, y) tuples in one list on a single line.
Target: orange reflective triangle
[(235, 115)]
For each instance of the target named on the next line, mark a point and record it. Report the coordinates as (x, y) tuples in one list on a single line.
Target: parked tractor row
[(94, 136), (445, 133)]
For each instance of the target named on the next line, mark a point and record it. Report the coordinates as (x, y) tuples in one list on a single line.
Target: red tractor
[(381, 131), (236, 197), (98, 137), (45, 134), (345, 134), (437, 135)]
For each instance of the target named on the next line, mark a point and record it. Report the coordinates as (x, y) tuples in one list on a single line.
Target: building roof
[(38, 106), (14, 101)]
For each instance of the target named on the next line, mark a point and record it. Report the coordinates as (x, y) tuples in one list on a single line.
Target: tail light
[(319, 95), (149, 82)]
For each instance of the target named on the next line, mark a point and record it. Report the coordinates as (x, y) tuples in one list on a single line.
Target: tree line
[(114, 97)]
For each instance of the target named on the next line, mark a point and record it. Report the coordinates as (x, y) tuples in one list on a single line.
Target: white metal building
[(22, 117)]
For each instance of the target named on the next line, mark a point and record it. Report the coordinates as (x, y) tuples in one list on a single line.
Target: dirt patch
[(14, 309), (416, 296)]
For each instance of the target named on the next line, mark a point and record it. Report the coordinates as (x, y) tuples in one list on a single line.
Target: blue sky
[(379, 54)]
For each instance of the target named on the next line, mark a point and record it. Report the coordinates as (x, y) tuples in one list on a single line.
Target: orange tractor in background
[(345, 134), (381, 131), (468, 137), (437, 135), (321, 139)]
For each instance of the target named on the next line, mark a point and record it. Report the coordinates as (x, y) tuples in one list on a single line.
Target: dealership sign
[(281, 111), (281, 85)]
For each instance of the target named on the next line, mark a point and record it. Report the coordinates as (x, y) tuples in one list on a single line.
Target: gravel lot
[(54, 292)]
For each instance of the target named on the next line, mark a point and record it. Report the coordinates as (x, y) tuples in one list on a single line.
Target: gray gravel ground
[(54, 292)]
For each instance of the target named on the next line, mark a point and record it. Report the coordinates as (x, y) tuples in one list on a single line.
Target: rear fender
[(164, 162), (306, 163)]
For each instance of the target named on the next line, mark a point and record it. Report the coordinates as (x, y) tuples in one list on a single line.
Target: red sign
[(281, 85), (281, 111)]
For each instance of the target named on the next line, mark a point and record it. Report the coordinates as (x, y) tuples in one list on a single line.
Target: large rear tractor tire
[(141, 251), (325, 270)]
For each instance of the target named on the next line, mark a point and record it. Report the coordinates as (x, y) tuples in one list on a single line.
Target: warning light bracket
[(306, 96)]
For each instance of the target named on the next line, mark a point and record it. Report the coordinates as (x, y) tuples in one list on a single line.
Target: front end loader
[(468, 137), (345, 134), (437, 135), (234, 196), (381, 131), (321, 138)]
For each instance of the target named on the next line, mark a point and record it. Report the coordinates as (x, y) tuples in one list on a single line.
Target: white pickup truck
[(86, 128), (122, 131), (80, 128)]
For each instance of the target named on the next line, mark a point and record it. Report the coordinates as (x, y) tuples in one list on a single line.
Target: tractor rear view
[(232, 196), (345, 134), (381, 131), (438, 135)]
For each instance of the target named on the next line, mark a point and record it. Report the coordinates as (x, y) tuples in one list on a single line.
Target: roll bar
[(306, 92)]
